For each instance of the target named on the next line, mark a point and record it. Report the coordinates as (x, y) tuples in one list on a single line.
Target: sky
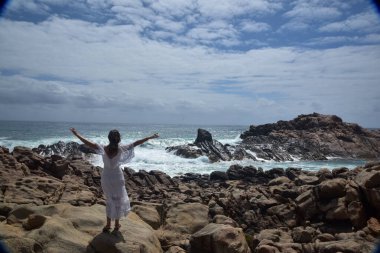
[(233, 62)]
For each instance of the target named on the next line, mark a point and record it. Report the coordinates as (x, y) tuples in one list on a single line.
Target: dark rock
[(324, 174), (63, 149), (203, 136), (191, 177), (186, 151), (236, 172), (6, 208), (218, 176), (293, 173), (335, 227), (34, 221), (369, 183), (4, 150), (340, 172), (205, 145), (275, 172), (306, 205), (357, 214)]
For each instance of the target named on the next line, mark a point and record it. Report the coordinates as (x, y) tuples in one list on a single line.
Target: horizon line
[(124, 123)]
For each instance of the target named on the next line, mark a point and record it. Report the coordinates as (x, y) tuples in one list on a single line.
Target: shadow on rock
[(106, 242)]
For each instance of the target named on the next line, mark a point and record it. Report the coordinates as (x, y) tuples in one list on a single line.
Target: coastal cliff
[(55, 204)]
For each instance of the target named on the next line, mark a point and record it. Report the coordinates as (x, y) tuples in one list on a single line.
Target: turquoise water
[(152, 155)]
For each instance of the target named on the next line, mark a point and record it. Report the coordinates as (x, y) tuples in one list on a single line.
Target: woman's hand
[(74, 131), (154, 136)]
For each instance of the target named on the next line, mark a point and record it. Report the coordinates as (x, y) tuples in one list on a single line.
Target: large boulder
[(10, 168), (330, 189), (219, 238), (236, 172), (368, 179), (78, 194), (347, 245), (203, 136), (369, 183), (34, 190), (182, 220), (306, 205), (186, 151), (135, 236), (65, 228), (148, 214), (31, 159), (186, 218)]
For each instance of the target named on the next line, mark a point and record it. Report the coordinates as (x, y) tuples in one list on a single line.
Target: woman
[(112, 178)]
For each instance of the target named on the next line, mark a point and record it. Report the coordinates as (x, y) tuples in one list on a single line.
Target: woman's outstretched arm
[(139, 142), (84, 140)]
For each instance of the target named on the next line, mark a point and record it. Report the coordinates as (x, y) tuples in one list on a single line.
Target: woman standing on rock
[(112, 178)]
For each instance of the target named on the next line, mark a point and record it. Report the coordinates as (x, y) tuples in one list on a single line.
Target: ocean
[(151, 155)]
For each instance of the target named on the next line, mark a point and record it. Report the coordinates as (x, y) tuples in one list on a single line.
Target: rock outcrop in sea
[(307, 137), (205, 145), (55, 204)]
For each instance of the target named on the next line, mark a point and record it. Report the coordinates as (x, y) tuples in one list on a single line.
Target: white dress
[(113, 182)]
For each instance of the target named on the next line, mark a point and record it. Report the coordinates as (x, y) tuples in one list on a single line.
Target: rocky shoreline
[(55, 204), (51, 199)]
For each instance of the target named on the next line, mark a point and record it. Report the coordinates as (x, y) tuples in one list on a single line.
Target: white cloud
[(127, 67), (166, 24), (367, 39), (216, 30), (309, 12), (252, 26), (294, 26), (363, 22), (174, 8), (305, 14), (371, 38), (230, 8), (29, 6)]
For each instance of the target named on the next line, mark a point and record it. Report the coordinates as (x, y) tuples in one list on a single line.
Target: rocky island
[(51, 199), (307, 137)]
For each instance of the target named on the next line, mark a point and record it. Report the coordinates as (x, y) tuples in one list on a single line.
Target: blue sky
[(191, 62)]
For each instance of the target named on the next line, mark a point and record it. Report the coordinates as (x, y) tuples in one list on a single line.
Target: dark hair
[(114, 138)]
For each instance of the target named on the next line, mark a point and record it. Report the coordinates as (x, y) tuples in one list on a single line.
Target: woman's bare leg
[(108, 222), (117, 224), (108, 225)]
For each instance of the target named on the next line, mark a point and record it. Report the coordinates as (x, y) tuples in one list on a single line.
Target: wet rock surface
[(55, 204)]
